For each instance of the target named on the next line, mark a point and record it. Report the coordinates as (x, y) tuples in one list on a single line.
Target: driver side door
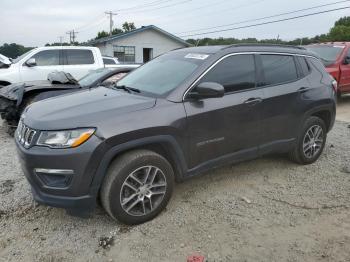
[(227, 128)]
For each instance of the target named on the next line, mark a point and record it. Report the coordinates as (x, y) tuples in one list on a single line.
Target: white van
[(39, 62)]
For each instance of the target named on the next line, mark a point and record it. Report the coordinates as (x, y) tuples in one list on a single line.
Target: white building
[(139, 45)]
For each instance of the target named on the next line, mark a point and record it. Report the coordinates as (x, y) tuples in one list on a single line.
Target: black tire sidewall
[(114, 193), (308, 123)]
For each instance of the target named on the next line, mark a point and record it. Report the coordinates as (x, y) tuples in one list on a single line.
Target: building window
[(125, 54)]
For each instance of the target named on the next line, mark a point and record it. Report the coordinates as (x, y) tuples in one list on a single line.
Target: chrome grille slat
[(25, 134)]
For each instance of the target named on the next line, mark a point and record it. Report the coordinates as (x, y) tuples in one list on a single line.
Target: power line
[(265, 17), (161, 7), (269, 22), (197, 8), (154, 3)]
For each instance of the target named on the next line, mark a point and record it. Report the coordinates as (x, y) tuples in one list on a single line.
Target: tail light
[(335, 86)]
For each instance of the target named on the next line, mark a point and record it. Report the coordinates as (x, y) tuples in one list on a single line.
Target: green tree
[(127, 27), (340, 33), (13, 50), (101, 34)]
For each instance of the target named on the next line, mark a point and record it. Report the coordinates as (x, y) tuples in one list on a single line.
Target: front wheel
[(137, 187), (311, 141)]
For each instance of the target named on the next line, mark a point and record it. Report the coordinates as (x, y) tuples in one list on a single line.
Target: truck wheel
[(137, 187), (311, 141)]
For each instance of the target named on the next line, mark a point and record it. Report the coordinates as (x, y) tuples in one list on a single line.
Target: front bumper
[(75, 194)]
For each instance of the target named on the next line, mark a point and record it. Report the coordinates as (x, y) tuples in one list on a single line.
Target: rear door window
[(79, 57), (47, 58), (235, 73), (278, 69)]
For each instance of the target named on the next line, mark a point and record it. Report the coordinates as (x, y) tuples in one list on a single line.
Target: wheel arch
[(165, 145), (326, 113)]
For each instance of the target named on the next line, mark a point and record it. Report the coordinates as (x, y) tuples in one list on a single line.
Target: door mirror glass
[(347, 60), (31, 62), (207, 90)]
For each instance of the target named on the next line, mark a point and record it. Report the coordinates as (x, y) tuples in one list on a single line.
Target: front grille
[(25, 134)]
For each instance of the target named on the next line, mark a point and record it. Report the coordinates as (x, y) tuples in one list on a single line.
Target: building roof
[(138, 30)]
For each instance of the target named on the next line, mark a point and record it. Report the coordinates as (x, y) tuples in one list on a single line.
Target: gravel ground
[(264, 210)]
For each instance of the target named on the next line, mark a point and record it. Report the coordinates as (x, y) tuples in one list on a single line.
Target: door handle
[(302, 89), (253, 101)]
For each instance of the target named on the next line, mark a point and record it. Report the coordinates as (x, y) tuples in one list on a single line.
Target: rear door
[(227, 127), (344, 82), (78, 62), (47, 61), (283, 86)]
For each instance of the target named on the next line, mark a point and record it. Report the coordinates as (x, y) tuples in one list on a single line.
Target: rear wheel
[(310, 142), (137, 187)]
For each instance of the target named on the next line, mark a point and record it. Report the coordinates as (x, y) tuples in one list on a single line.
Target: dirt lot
[(264, 210)]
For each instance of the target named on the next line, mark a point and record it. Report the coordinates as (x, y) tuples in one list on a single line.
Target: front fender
[(173, 146)]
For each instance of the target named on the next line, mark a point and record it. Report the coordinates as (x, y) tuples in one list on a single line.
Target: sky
[(37, 22)]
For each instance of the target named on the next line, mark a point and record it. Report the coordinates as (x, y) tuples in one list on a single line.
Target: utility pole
[(61, 39), (72, 36), (111, 14)]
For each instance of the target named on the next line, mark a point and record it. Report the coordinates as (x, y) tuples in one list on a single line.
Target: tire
[(149, 201), (304, 141)]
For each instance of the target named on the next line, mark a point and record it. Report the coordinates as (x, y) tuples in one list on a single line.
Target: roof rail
[(267, 45)]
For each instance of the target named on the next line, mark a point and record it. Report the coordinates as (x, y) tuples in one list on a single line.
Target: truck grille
[(25, 134)]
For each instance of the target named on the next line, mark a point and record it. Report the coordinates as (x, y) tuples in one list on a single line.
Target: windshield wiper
[(127, 88)]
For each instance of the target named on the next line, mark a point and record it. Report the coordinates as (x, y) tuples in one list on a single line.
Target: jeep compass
[(180, 114)]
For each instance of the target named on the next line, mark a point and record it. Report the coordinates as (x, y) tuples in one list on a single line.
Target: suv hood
[(86, 108)]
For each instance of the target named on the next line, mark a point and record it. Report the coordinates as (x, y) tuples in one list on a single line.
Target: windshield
[(21, 56), (92, 76), (328, 54), (163, 74)]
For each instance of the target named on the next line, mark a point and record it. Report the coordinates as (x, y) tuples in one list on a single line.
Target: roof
[(238, 48), (139, 30)]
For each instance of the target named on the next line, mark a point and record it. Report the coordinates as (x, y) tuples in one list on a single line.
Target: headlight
[(65, 138)]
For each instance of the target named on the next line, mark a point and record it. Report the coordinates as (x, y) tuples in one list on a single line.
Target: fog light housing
[(55, 178)]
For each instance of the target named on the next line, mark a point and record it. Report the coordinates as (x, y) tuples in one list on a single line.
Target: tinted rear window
[(278, 69), (79, 57)]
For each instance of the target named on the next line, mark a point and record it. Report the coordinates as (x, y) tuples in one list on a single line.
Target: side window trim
[(193, 85)]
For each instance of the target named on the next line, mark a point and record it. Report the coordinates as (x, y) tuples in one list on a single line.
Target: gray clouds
[(36, 22)]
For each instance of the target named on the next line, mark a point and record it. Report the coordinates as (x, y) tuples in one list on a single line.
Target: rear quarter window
[(278, 69), (79, 57), (108, 61), (304, 67)]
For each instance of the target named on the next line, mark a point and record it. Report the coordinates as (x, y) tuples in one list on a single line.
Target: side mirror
[(347, 60), (207, 90), (31, 62)]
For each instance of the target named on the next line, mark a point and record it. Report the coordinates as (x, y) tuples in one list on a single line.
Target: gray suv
[(181, 114)]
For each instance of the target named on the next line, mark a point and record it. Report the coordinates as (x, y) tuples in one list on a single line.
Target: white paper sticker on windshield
[(197, 56), (339, 46)]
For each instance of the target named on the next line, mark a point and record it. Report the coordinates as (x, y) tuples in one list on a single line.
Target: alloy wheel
[(313, 141), (143, 190)]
